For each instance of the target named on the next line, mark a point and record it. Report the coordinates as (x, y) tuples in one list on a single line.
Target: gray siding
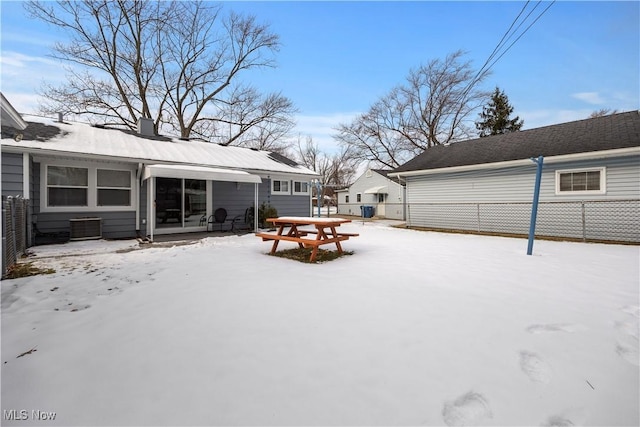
[(12, 174), (516, 184), (35, 187), (500, 201), (236, 199), (115, 225)]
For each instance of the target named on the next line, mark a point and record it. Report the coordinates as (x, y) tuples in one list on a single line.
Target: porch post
[(151, 221), (255, 207)]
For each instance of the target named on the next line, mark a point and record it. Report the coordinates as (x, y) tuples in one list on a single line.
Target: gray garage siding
[(500, 201)]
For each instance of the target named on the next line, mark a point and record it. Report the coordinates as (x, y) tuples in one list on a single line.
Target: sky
[(413, 329), (337, 58)]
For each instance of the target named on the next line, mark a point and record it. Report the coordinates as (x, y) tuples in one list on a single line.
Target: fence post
[(584, 223), (5, 250)]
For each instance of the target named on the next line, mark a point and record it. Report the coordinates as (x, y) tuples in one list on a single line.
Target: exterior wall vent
[(85, 228)]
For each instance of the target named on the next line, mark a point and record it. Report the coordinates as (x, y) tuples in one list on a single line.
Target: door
[(180, 203), (380, 208)]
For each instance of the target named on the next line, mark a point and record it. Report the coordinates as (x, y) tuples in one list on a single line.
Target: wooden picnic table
[(324, 230)]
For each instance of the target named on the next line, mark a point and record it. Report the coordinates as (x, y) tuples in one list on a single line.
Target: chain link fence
[(16, 231), (615, 221), (389, 210)]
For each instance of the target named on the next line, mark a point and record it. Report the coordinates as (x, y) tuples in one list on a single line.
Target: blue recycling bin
[(367, 211)]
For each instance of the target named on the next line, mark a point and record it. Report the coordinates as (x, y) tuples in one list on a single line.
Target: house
[(590, 182), (140, 184), (373, 188)]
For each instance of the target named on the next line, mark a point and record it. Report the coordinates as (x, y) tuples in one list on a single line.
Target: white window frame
[(358, 197), (92, 196), (603, 181), (293, 188), (280, 192)]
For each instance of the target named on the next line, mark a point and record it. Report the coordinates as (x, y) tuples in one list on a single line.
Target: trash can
[(367, 211)]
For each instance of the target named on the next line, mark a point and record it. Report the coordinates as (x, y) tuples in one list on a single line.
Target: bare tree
[(602, 112), (335, 170), (179, 63), (432, 108)]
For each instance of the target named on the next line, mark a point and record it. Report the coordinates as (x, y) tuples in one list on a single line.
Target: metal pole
[(534, 206), (318, 191)]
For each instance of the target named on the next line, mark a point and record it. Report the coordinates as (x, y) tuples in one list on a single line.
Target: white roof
[(86, 140)]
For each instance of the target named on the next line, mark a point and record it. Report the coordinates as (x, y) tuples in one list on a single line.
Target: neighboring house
[(373, 188), (139, 184), (590, 186)]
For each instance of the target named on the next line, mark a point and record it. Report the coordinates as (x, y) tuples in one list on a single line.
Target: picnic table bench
[(325, 232)]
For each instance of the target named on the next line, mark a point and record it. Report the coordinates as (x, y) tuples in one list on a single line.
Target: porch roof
[(198, 172), (382, 189)]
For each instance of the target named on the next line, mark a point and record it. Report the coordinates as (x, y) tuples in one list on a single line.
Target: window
[(76, 186), (279, 187), (591, 181), (346, 198), (380, 198), (300, 187), (358, 198), (67, 186), (114, 188)]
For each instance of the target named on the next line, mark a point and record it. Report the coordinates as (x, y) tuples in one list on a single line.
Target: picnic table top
[(303, 220)]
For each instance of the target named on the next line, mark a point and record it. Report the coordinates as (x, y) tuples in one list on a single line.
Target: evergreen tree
[(495, 116)]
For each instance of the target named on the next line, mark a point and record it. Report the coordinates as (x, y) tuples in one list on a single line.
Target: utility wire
[(490, 62)]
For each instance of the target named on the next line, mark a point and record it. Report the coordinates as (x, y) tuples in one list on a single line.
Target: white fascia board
[(10, 115), (592, 155), (198, 172)]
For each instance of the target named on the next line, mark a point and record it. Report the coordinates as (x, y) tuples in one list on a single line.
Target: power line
[(490, 62)]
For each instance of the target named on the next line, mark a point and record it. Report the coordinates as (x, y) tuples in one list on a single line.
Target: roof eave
[(619, 152)]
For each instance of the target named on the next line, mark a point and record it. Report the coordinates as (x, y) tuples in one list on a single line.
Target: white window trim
[(273, 191), (300, 193), (603, 182), (92, 196), (358, 196)]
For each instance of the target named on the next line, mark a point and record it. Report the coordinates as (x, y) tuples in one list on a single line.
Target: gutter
[(592, 155)]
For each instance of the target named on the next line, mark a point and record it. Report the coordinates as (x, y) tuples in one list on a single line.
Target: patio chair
[(219, 218), (242, 221)]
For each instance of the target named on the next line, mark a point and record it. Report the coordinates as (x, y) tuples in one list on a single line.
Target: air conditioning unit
[(85, 228)]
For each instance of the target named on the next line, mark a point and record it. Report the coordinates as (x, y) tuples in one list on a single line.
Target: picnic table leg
[(314, 253), (275, 242), (293, 231), (335, 234)]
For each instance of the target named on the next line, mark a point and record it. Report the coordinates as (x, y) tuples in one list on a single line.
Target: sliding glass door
[(180, 203)]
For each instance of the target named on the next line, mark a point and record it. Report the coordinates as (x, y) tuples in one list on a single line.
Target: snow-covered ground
[(414, 328)]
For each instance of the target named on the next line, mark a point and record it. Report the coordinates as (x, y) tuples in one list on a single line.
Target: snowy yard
[(415, 328)]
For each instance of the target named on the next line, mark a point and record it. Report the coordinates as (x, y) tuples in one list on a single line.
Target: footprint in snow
[(571, 417), (469, 409), (628, 329), (553, 327), (557, 421), (535, 367)]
